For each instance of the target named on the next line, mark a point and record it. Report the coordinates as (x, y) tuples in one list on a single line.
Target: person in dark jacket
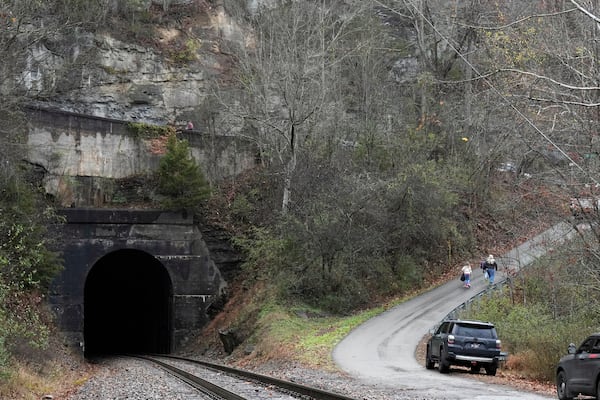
[(490, 267)]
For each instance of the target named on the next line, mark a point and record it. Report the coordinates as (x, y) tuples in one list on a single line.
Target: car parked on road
[(473, 344), (579, 371)]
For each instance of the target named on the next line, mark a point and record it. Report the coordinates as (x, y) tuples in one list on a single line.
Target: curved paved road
[(382, 350)]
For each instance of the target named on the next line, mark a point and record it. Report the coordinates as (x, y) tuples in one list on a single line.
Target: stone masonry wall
[(83, 155)]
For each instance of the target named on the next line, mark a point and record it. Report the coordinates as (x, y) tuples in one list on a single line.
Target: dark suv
[(472, 344), (579, 371)]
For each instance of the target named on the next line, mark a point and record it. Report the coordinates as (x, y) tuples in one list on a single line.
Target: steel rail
[(303, 390), (194, 381)]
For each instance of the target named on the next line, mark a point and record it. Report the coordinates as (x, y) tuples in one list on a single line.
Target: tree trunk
[(287, 182)]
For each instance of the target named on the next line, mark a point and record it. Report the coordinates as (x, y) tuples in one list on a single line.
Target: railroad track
[(194, 373)]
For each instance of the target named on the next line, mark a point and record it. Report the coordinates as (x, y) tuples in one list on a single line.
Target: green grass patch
[(308, 335)]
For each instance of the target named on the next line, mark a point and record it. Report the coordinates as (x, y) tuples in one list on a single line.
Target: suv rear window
[(480, 331)]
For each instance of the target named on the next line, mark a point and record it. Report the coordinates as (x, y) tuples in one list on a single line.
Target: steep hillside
[(263, 346), (524, 210)]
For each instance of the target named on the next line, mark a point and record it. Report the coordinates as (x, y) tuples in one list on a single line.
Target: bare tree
[(287, 73)]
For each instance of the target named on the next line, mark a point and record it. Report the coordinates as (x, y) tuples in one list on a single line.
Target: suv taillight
[(498, 344), (450, 339)]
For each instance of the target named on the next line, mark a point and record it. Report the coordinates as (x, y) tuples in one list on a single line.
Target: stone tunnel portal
[(127, 305)]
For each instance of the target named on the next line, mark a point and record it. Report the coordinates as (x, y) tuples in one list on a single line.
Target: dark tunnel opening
[(127, 305)]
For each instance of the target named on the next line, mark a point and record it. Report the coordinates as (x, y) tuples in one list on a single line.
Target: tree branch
[(572, 103), (542, 77), (586, 12)]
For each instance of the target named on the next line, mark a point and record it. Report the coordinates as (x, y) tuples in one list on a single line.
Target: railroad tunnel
[(127, 305)]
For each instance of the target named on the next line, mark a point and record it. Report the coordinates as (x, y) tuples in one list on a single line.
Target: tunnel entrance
[(127, 305)]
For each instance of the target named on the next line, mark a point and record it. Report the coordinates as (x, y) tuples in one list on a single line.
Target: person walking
[(466, 271), (490, 267)]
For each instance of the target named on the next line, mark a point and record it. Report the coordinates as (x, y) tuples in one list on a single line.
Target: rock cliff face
[(168, 82), (162, 76)]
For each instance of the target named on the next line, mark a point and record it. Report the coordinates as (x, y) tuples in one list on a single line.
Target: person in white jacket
[(466, 271)]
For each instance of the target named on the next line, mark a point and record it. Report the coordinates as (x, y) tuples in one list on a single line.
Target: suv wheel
[(443, 364), (429, 363), (491, 370), (561, 387)]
